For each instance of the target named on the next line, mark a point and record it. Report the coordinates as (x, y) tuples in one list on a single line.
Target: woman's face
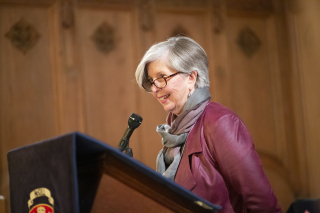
[(173, 96)]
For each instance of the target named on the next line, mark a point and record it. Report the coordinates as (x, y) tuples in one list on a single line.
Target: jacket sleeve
[(239, 163)]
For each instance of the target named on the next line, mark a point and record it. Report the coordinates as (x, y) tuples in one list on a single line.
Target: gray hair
[(180, 53)]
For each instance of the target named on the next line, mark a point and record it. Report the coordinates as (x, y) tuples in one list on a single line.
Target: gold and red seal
[(40, 207)]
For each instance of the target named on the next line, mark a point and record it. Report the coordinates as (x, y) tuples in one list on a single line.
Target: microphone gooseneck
[(133, 123)]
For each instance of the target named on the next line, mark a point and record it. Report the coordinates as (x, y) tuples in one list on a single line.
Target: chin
[(169, 109), (172, 111)]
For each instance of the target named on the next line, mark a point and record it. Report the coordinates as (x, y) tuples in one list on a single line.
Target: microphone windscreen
[(134, 121)]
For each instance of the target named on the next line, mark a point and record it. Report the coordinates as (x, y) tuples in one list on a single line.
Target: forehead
[(157, 68)]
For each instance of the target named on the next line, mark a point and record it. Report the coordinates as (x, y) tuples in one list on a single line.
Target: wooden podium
[(76, 173)]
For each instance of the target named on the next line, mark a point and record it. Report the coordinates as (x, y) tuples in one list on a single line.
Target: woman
[(206, 147)]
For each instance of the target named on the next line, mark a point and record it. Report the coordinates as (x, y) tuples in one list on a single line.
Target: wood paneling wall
[(304, 30), (28, 98), (79, 75)]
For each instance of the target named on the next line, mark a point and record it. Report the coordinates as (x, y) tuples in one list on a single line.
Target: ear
[(192, 79)]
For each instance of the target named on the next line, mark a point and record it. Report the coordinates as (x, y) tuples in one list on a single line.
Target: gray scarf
[(174, 133)]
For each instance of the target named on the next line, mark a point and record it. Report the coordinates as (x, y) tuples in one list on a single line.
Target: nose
[(154, 88)]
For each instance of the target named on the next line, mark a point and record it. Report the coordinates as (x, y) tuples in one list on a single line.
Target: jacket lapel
[(184, 175)]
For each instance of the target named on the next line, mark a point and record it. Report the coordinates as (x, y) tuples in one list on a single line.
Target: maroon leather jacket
[(220, 164)]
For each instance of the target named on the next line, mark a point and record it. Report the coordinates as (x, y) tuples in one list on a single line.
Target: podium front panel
[(77, 173)]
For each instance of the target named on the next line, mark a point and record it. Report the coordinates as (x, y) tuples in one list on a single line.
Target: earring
[(189, 93)]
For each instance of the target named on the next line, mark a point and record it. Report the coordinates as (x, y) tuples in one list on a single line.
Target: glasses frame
[(165, 80)]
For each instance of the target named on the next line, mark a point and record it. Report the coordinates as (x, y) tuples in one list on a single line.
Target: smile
[(164, 97)]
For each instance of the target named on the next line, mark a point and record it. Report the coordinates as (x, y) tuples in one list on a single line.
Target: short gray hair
[(180, 53)]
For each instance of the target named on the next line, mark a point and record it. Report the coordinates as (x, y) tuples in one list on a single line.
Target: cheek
[(154, 94), (179, 95)]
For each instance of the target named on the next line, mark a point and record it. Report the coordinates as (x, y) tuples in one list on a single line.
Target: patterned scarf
[(175, 132)]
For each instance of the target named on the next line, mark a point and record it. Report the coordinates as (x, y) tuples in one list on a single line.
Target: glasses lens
[(160, 82), (147, 86)]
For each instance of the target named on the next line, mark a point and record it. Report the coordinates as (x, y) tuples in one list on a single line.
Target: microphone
[(133, 122)]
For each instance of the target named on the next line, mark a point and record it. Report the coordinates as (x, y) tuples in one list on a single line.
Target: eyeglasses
[(159, 82)]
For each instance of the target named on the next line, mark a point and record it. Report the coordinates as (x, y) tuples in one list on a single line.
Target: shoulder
[(222, 126), (215, 112)]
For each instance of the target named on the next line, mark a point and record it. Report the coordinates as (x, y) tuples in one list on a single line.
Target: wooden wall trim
[(250, 5), (28, 2), (273, 163), (304, 41)]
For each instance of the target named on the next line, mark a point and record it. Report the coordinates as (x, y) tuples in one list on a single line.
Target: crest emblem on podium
[(41, 201)]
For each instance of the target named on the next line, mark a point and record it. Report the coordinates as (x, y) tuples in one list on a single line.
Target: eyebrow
[(158, 75)]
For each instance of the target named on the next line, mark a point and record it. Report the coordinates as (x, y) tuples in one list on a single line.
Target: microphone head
[(134, 121)]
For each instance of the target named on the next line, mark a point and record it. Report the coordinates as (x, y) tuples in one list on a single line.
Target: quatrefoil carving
[(23, 36), (248, 41), (104, 38)]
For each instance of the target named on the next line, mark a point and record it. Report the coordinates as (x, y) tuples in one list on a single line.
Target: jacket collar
[(193, 145), (193, 140)]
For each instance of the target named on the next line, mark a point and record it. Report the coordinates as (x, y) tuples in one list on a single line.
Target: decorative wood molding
[(146, 14), (273, 163), (104, 38), (248, 41), (184, 3), (23, 36), (179, 30), (250, 5), (108, 2), (167, 3), (67, 14), (28, 1), (217, 22)]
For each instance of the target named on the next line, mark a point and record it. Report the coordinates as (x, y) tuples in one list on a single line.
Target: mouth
[(163, 98)]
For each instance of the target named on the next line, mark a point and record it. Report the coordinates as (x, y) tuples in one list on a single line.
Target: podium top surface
[(73, 153)]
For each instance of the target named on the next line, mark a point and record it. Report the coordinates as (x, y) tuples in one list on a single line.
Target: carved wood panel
[(28, 91), (28, 105), (255, 90), (108, 73)]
